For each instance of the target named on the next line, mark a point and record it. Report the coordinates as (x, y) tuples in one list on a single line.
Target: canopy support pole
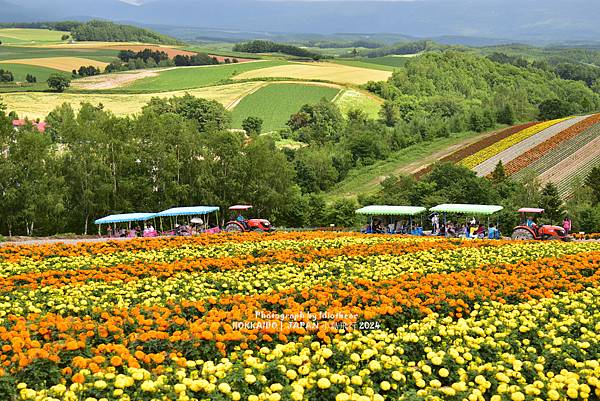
[(445, 228)]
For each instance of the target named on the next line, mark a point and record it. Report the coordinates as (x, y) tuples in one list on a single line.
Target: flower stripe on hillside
[(493, 150), (540, 150)]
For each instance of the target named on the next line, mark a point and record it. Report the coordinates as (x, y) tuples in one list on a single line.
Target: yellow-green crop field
[(38, 105), (23, 36), (60, 63), (338, 73)]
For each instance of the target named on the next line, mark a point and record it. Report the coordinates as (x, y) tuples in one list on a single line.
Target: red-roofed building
[(41, 126)]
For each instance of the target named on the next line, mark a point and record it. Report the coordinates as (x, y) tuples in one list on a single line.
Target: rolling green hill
[(275, 103), (20, 71), (29, 36)]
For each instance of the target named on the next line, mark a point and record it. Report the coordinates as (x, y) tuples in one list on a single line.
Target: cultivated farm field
[(274, 103), (31, 52), (59, 63), (194, 77), (23, 36), (38, 105), (125, 92), (561, 151), (300, 316), (20, 71), (337, 73)]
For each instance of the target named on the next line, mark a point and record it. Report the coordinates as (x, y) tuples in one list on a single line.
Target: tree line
[(6, 76), (267, 46), (180, 151), (340, 44), (106, 31), (148, 58), (91, 163), (97, 30), (65, 26)]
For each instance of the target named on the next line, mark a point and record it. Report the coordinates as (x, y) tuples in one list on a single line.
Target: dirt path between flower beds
[(519, 148), (572, 164)]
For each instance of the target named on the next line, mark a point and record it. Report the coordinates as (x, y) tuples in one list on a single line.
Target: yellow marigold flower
[(517, 396), (323, 383)]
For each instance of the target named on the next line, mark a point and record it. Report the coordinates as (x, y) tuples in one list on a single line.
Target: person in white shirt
[(435, 222)]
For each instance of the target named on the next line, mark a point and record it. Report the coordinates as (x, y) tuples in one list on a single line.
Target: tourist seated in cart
[(480, 233), (399, 227), (493, 232), (390, 223), (149, 231), (462, 231)]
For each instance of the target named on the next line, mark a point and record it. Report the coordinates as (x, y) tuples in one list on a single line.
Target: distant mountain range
[(532, 21)]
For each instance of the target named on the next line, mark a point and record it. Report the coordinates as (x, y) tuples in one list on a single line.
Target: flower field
[(473, 148), (492, 150), (300, 316), (539, 151), (559, 153)]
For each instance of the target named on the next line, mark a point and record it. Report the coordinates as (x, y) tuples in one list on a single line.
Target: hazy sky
[(137, 2)]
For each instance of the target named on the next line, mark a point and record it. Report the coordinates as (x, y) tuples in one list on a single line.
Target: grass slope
[(405, 161), (22, 52), (351, 99), (20, 71), (194, 77), (387, 63), (28, 36), (275, 103)]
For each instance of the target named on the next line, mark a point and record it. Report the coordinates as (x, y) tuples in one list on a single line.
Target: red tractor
[(240, 224), (528, 230)]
